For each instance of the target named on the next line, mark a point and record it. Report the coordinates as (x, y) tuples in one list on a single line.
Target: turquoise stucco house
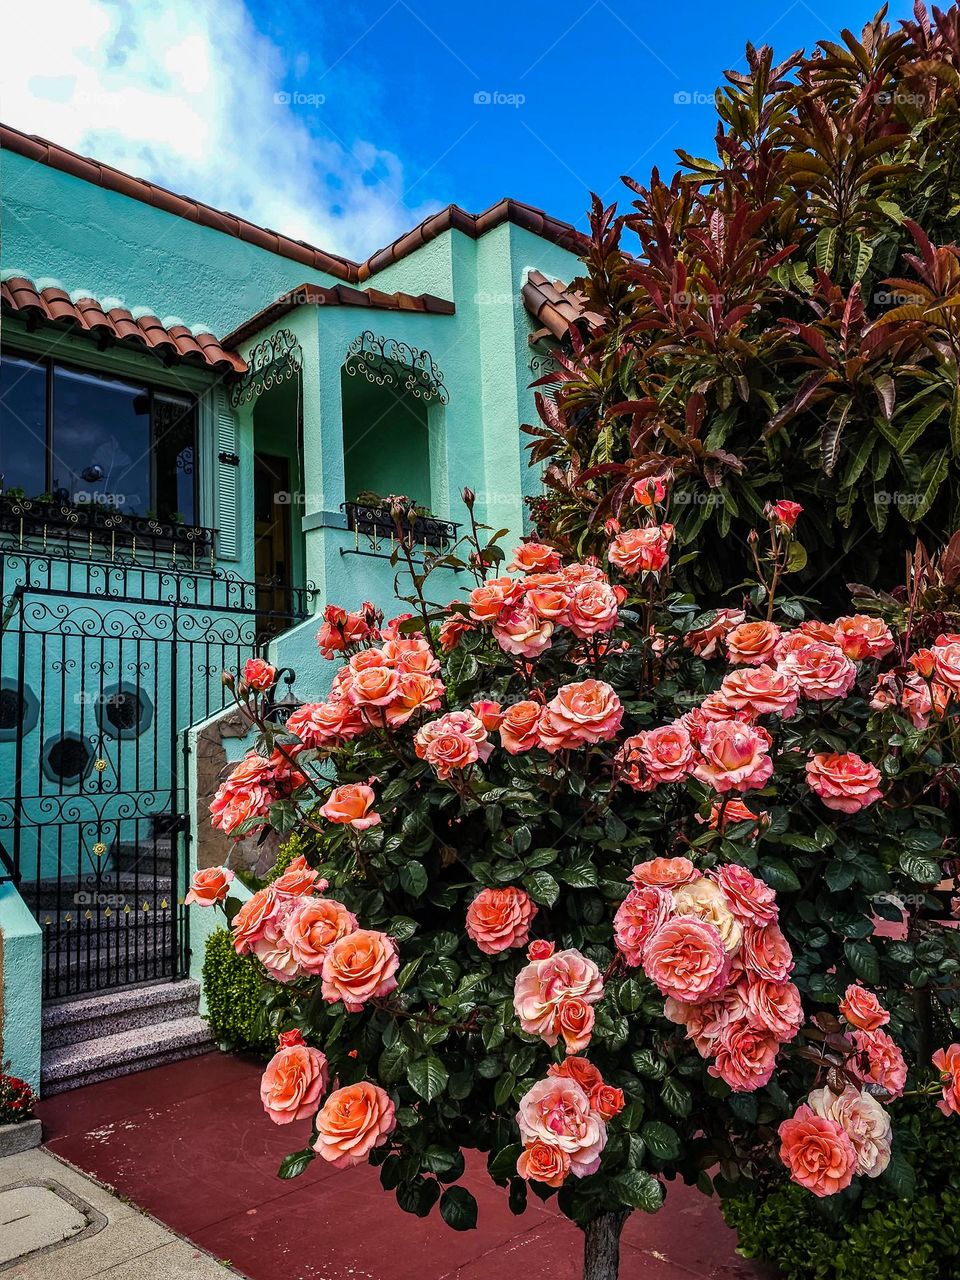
[(198, 419)]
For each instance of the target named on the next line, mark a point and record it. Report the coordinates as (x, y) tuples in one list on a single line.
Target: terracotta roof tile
[(555, 307), (337, 295), (19, 296), (451, 218)]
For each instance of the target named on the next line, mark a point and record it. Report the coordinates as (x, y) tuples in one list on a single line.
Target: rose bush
[(608, 888)]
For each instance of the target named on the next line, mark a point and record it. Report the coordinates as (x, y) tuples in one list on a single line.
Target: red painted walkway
[(190, 1144)]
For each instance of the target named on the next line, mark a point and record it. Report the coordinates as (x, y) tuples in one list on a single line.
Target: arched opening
[(386, 439)]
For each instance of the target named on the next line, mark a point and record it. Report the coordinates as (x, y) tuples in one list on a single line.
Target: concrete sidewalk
[(58, 1224)]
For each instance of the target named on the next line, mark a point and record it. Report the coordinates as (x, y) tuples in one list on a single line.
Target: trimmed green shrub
[(234, 990), (903, 1226)]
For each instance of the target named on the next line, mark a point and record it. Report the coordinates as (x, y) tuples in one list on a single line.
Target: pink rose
[(592, 609), (751, 900), (860, 637), (656, 755), (644, 550), (884, 1066), (350, 805), (773, 1006), (556, 1111), (273, 948), (821, 671), (638, 917), (766, 953), (783, 512), (863, 1120), (520, 630), (353, 1121), (540, 949), (760, 690), (541, 985), (705, 641), (520, 727), (745, 1057), (845, 782), (251, 920), (946, 664), (580, 714), (665, 873), (208, 886), (312, 928), (259, 675), (326, 724), (291, 1085), (947, 1062), (686, 959), (752, 643), (818, 1152), (733, 756), (862, 1009), (498, 919), (359, 967)]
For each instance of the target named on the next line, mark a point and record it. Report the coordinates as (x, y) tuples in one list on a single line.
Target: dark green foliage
[(234, 991)]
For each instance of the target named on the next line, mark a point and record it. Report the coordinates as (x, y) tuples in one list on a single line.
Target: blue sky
[(346, 123)]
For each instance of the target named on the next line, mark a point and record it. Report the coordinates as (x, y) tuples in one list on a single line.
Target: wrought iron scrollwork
[(378, 529), (273, 361), (387, 362)]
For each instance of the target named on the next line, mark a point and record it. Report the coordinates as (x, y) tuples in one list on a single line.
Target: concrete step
[(119, 1054), (109, 1012)]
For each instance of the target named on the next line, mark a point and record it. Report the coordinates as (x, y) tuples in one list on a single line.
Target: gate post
[(21, 979)]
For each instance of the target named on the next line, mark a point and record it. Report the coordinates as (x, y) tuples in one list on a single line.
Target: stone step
[(106, 1013), (106, 1057)]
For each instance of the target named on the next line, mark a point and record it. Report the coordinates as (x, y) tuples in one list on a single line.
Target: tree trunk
[(601, 1246)]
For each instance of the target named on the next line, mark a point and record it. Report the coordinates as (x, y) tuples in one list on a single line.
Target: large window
[(72, 436)]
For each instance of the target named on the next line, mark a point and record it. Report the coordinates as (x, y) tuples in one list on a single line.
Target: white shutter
[(227, 473)]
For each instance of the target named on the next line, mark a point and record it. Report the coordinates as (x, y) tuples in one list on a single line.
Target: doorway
[(273, 542)]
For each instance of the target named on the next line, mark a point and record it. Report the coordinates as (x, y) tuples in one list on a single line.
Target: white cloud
[(190, 95)]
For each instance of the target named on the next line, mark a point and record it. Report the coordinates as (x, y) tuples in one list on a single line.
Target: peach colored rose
[(326, 724), (299, 878), (374, 686), (638, 917), (580, 1069), (556, 1111), (540, 949), (665, 873), (644, 550), (773, 1006), (251, 919), (542, 984), (863, 1120), (760, 690), (701, 899), (686, 959), (732, 811), (550, 602), (487, 601), (350, 805), (845, 782), (291, 1085), (923, 662), (587, 571), (766, 953), (490, 714), (921, 699), (535, 557), (706, 1022), (274, 950), (750, 899), (450, 751), (411, 655), (861, 637), (884, 1065), (498, 919), (451, 629), (520, 630), (818, 1152), (249, 790), (752, 643), (359, 967), (416, 691), (520, 727), (705, 641), (592, 609), (607, 1101), (946, 664), (745, 1057), (656, 755), (574, 1021), (454, 733), (821, 671), (208, 886), (313, 927), (543, 1162), (862, 1009), (947, 1062), (585, 712), (353, 1121), (733, 756), (259, 675)]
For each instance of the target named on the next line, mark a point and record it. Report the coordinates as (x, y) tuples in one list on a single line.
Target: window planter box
[(15, 1138), (377, 526)]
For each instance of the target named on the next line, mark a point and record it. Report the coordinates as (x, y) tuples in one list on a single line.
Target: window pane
[(101, 442), (23, 426), (174, 451)]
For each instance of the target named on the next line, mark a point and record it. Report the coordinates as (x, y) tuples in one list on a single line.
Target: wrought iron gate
[(102, 667)]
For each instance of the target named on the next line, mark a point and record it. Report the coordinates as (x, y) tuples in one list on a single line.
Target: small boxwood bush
[(905, 1226), (234, 990)]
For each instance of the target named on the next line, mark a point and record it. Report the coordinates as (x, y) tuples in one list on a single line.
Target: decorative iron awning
[(274, 360), (387, 362)]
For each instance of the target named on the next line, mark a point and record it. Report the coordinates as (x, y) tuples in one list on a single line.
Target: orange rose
[(350, 805), (818, 1152), (259, 675), (580, 1069), (487, 601), (488, 713), (416, 691), (208, 886), (298, 879), (359, 967), (592, 609), (581, 713), (498, 919), (291, 1086), (574, 1021), (752, 642), (313, 927), (641, 550), (663, 873), (860, 636), (862, 1009), (374, 686), (251, 920), (535, 557), (947, 1062), (353, 1121), (541, 1162), (519, 728), (606, 1100)]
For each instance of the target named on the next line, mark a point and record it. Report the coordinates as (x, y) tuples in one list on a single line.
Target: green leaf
[(640, 1190), (662, 1141), (931, 478), (863, 960), (824, 248), (504, 1087), (542, 888), (504, 1163), (580, 875), (780, 875), (676, 1097), (428, 1077), (900, 1175), (923, 870), (458, 1209), (293, 1165), (283, 816), (413, 878)]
